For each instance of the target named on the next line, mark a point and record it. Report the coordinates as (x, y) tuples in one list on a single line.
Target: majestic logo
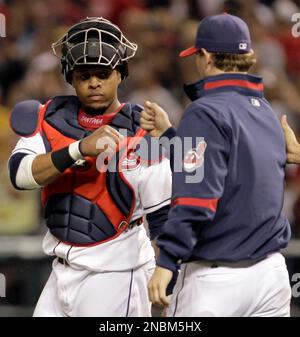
[(90, 121), (131, 162), (194, 157)]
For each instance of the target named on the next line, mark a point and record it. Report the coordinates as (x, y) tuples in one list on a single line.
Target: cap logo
[(242, 46)]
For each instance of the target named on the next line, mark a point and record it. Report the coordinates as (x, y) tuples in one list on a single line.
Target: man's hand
[(158, 285), (154, 119), (155, 248), (292, 145), (105, 139)]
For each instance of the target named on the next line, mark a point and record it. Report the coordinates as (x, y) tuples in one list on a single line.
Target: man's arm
[(29, 171), (154, 119), (20, 161), (194, 203), (43, 169), (47, 167), (292, 145)]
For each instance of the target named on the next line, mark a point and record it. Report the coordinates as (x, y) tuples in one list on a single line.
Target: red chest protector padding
[(84, 206)]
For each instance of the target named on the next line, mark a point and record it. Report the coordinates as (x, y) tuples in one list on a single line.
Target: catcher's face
[(96, 87)]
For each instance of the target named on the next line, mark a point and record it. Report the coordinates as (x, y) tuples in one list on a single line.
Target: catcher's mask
[(94, 41)]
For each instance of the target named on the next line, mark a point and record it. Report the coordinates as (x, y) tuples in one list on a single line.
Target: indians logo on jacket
[(194, 158)]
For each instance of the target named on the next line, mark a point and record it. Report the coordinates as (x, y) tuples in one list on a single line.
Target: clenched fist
[(105, 139), (154, 119)]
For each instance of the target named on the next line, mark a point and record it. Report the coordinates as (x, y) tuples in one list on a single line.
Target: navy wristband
[(62, 159)]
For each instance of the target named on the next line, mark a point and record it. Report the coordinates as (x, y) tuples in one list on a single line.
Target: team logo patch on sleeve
[(194, 158)]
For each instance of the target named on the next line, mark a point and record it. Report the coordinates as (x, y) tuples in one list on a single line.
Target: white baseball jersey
[(131, 249)]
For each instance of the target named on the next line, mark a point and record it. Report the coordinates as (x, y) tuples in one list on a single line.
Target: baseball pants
[(223, 290), (72, 293)]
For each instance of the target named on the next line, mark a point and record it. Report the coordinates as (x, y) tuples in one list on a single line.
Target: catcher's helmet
[(94, 41)]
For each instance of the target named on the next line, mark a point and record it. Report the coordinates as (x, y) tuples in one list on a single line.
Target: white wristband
[(74, 151)]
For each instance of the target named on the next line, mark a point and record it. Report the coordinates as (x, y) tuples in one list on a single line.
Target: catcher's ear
[(119, 77)]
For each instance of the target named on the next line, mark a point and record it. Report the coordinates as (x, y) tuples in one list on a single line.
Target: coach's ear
[(207, 56), (208, 59), (24, 117)]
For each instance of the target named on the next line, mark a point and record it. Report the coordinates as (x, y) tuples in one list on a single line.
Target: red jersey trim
[(206, 203), (238, 83)]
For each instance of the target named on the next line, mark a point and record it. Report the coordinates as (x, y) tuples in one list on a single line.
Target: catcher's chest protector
[(84, 206)]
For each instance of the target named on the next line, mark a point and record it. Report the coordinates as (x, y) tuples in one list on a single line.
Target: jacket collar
[(245, 84)]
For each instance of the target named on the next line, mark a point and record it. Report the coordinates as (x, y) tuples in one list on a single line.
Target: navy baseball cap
[(221, 33)]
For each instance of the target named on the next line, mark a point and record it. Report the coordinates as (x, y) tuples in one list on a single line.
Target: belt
[(62, 261), (238, 264), (133, 224)]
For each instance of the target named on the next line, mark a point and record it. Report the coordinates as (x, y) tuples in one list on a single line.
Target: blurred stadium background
[(161, 29)]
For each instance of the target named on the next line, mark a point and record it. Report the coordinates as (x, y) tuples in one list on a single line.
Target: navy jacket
[(235, 212)]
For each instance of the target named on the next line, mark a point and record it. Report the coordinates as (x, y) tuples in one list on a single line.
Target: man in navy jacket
[(226, 226)]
